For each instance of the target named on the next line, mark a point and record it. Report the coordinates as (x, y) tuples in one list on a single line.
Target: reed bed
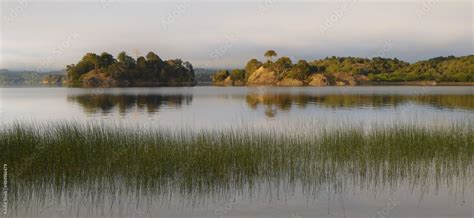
[(75, 156)]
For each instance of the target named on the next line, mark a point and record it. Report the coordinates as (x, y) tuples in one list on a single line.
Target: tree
[(106, 60), (126, 60), (251, 67), (270, 53), (141, 63), (300, 71), (281, 66), (122, 56), (237, 74), (72, 72), (154, 61), (151, 56), (93, 59), (220, 75)]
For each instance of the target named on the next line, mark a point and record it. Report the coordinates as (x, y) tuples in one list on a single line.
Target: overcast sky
[(50, 35)]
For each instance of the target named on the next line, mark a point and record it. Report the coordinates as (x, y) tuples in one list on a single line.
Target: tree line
[(148, 68), (440, 69)]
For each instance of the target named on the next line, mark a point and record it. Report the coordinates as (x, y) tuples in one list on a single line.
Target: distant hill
[(349, 71), (24, 78), (203, 75)]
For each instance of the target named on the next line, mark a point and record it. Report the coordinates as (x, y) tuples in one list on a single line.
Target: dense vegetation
[(71, 156), (8, 77), (441, 69), (105, 70)]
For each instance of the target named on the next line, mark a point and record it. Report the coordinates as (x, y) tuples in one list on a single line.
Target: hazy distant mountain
[(203, 75), (18, 77)]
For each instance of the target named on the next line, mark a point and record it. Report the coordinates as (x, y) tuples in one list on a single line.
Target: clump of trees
[(251, 67), (440, 69), (359, 66), (220, 75), (236, 75), (148, 68)]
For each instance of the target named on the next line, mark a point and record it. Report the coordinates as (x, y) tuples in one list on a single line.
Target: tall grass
[(68, 156)]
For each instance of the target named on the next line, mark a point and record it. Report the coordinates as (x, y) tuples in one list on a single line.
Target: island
[(105, 71), (342, 71)]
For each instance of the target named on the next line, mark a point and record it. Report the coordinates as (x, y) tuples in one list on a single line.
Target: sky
[(48, 35)]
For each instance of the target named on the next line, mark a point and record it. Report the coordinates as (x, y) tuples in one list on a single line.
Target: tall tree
[(251, 67), (154, 61), (106, 60), (237, 74), (270, 53), (141, 63), (126, 60), (282, 66), (93, 59)]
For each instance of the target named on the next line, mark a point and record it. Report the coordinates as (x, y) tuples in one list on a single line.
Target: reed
[(68, 156)]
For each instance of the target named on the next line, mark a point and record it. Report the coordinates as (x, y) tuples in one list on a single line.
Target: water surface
[(211, 107), (304, 110)]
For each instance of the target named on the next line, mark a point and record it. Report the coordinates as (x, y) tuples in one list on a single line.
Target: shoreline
[(411, 83)]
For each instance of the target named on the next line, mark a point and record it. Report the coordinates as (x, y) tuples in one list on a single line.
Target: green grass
[(67, 156)]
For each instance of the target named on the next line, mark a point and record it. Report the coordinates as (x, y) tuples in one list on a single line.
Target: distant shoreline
[(411, 83), (369, 83)]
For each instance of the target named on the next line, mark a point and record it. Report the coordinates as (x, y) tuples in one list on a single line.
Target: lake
[(217, 107), (342, 182)]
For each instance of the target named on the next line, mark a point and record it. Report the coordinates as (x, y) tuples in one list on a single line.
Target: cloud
[(194, 30)]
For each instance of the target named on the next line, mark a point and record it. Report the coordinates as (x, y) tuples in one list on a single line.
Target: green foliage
[(220, 75), (270, 53), (251, 67), (93, 59), (238, 75), (441, 69), (358, 66), (70, 156), (85, 65), (300, 71), (127, 61), (106, 60), (154, 61), (141, 63), (147, 71), (282, 66)]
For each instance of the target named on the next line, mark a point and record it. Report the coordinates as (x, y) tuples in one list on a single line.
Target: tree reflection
[(106, 103), (274, 102)]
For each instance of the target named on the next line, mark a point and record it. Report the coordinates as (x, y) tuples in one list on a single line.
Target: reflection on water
[(286, 102), (271, 102), (215, 107), (105, 103)]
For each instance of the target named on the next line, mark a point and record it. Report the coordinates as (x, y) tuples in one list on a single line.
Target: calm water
[(211, 107), (224, 107)]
